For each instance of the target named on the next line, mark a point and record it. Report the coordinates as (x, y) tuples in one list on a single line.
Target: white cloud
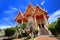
[(6, 19), (54, 16), (14, 8), (23, 7), (10, 14), (42, 3), (11, 10), (4, 26)]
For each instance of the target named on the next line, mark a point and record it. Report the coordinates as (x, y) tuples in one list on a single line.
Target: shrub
[(58, 35), (36, 31), (23, 26), (24, 33), (0, 29), (58, 26), (9, 32)]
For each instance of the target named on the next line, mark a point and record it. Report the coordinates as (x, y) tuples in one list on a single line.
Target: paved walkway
[(24, 39), (19, 39), (16, 39), (45, 38)]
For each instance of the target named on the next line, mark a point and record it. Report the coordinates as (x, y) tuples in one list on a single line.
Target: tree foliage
[(55, 27), (9, 32), (23, 25), (52, 28), (58, 24)]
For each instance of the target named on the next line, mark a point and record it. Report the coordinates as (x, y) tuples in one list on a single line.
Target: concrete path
[(16, 39), (45, 38)]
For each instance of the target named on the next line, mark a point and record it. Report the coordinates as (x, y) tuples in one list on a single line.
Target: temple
[(36, 17)]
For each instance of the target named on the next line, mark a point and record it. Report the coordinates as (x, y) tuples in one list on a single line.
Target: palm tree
[(23, 27)]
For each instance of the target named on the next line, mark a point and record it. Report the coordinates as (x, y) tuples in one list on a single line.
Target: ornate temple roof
[(39, 11), (19, 16), (29, 11)]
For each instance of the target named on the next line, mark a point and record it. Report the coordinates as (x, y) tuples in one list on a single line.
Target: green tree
[(23, 26), (55, 27), (10, 32), (58, 24), (52, 28), (0, 29)]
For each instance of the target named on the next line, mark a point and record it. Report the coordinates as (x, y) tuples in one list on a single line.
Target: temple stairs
[(44, 31)]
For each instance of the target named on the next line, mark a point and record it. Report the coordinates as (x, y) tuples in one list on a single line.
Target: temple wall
[(30, 21)]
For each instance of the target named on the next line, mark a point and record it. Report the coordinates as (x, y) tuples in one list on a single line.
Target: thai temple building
[(35, 17)]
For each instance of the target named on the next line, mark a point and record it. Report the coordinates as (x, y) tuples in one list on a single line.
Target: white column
[(22, 21), (38, 31), (46, 21), (35, 21)]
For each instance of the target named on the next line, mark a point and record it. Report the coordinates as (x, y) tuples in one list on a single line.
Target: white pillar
[(38, 31), (46, 21), (35, 22), (22, 21)]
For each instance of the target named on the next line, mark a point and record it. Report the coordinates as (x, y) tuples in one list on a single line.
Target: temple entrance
[(42, 29), (43, 25), (39, 25)]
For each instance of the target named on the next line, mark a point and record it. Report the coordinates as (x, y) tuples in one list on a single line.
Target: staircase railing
[(47, 30)]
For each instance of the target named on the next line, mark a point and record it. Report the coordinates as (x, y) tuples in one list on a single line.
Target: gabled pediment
[(39, 11), (19, 16), (29, 10)]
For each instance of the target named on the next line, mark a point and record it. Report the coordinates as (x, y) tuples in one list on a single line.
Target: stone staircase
[(43, 31)]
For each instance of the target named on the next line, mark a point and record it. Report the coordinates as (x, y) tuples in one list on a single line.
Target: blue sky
[(9, 10)]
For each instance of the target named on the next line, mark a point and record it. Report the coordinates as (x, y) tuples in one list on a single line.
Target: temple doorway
[(39, 25), (42, 25)]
